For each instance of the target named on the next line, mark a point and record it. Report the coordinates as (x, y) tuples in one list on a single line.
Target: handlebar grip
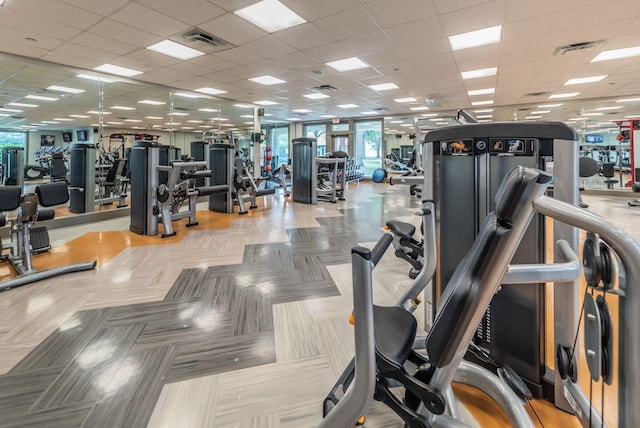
[(378, 251)]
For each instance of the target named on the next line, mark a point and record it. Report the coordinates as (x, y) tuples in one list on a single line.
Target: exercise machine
[(26, 238), (246, 189), (13, 170)]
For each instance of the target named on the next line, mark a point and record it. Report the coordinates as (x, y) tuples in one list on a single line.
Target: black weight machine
[(26, 238)]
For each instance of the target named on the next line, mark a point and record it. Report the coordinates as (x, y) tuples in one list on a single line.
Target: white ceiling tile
[(56, 11), (221, 76), (134, 63), (124, 33), (269, 47), (239, 56), (369, 43), (151, 57), (232, 5), (233, 29), (473, 18), (16, 35), (74, 61), (329, 52), (444, 6), (314, 10), (23, 49), (106, 44), (100, 7), (78, 50), (418, 31), (388, 56), (187, 67), (350, 23), (195, 13), (133, 14), (16, 19), (426, 49), (304, 36), (393, 13)]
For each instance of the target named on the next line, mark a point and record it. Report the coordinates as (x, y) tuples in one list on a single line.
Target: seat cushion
[(401, 229), (10, 197), (395, 330)]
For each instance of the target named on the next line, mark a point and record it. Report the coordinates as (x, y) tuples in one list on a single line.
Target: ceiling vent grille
[(576, 47), (536, 94), (324, 88), (380, 109), (201, 40)]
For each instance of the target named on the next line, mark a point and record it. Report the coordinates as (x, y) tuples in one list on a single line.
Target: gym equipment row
[(158, 190), (314, 178), (26, 238), (245, 187)]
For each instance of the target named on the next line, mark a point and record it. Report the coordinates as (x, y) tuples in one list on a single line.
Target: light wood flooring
[(239, 322)]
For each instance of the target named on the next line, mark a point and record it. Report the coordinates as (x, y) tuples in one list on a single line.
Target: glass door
[(368, 145), (319, 132)]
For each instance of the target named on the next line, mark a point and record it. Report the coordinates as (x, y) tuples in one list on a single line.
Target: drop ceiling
[(404, 42)]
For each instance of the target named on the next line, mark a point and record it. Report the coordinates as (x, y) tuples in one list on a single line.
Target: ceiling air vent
[(575, 47), (380, 109), (201, 40), (324, 88)]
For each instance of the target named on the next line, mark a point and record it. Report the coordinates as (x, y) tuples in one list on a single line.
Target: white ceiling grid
[(404, 41)]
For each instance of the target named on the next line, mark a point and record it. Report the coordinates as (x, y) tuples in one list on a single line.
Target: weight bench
[(463, 304), (24, 235)]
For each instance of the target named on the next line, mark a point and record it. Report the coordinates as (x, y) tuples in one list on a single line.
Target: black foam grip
[(378, 251), (212, 190)]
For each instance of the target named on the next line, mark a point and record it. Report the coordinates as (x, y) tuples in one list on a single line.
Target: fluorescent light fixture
[(593, 114), (210, 91), (186, 95), (114, 123), (97, 112), (627, 100), (116, 69), (243, 105), (209, 110), (267, 80), (437, 120), (316, 96), (174, 123), (79, 116), (564, 95), (429, 115), (407, 125), (265, 103), (133, 120), (247, 116), (405, 100), (328, 116), (248, 123), (578, 118), (96, 78), (369, 112), (186, 127), (383, 86), (484, 120), (151, 102), (41, 98), (609, 108), (270, 15), (49, 121), (220, 119), (154, 117), (122, 108), (533, 117), (628, 117), (483, 72), (293, 119), (65, 89), (582, 80), (63, 119), (482, 91), (23, 105), (549, 105), (421, 108), (541, 111), (175, 50), (609, 123), (487, 110), (195, 121), (347, 105), (617, 54), (472, 39), (486, 116), (179, 113), (348, 64), (397, 121), (301, 110), (12, 110), (482, 103)]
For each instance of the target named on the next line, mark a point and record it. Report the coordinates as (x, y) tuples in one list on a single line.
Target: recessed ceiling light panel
[(405, 100), (267, 80), (472, 39), (564, 95), (482, 91), (483, 72), (151, 102), (316, 96), (117, 70), (41, 98), (65, 89), (348, 64), (175, 50), (270, 15), (265, 103), (211, 91), (347, 105), (583, 80), (383, 86), (617, 54)]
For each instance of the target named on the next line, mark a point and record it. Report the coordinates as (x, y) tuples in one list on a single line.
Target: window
[(278, 140), (319, 132), (12, 139), (368, 145)]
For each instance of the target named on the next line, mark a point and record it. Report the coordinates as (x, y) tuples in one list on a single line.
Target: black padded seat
[(10, 198), (401, 229), (395, 329), (52, 194), (587, 167)]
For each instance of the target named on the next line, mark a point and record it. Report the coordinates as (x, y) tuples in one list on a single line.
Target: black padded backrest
[(587, 167), (111, 174), (52, 194), (121, 163), (338, 154), (10, 198), (456, 301), (607, 170)]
